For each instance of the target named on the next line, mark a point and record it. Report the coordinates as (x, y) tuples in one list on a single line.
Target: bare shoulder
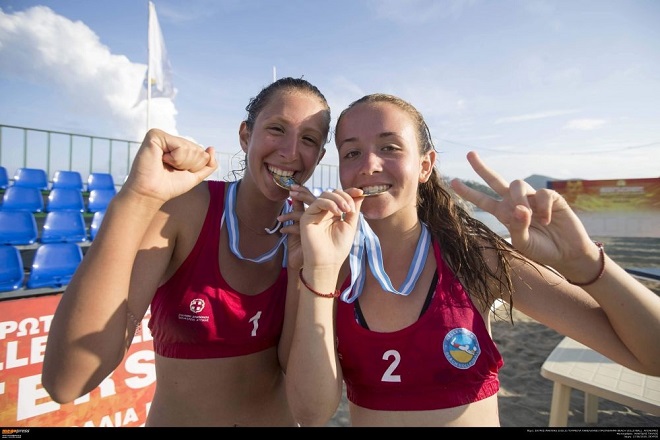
[(181, 216), (189, 204), (181, 221)]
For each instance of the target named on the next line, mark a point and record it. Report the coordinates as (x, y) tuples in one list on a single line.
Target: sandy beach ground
[(525, 396)]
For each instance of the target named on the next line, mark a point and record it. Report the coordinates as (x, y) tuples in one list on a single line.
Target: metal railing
[(22, 147)]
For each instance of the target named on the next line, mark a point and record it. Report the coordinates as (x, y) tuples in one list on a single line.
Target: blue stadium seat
[(64, 226), (11, 269), (100, 181), (31, 177), (18, 228), (22, 198), (54, 264), (67, 179), (65, 199), (97, 219), (99, 198), (4, 179)]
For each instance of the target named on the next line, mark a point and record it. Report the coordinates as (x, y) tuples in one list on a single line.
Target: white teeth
[(374, 190), (279, 172)]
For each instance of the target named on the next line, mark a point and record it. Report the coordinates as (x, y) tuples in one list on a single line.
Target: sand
[(525, 396)]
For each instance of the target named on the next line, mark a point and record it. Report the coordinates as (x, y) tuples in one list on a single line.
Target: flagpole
[(159, 70), (149, 4)]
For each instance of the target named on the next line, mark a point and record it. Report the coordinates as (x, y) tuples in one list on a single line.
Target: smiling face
[(379, 151), (287, 140)]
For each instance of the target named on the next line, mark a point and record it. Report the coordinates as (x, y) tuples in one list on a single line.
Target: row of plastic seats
[(53, 266), (37, 178), (4, 179), (19, 198), (65, 193), (73, 179), (20, 227)]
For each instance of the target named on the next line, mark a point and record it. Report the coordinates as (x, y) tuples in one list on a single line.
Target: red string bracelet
[(335, 294), (601, 249)]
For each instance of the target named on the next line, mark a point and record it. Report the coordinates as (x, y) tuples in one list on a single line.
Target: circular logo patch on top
[(197, 305), (461, 348)]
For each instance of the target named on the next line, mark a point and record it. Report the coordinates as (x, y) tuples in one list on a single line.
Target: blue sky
[(566, 89)]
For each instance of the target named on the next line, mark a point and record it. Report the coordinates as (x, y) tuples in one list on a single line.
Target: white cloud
[(584, 124), (534, 116), (419, 11), (41, 47)]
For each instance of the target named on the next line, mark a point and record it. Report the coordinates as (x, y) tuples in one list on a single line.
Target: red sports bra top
[(445, 359), (197, 315)]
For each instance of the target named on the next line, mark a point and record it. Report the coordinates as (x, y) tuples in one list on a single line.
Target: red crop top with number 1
[(197, 315), (445, 359)]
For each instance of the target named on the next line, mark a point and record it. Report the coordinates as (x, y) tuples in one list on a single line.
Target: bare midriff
[(481, 413), (237, 391)]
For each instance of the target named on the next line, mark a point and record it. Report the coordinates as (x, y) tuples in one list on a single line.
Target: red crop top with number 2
[(197, 315), (445, 359)]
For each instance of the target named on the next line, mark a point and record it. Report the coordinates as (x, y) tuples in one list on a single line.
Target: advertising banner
[(629, 195), (122, 399)]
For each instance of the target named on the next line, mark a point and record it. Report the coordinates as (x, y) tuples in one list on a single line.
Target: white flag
[(159, 72)]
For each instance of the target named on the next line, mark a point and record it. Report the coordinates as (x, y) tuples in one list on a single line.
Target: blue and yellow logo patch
[(461, 348)]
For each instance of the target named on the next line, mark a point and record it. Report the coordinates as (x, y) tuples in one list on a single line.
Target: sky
[(564, 89)]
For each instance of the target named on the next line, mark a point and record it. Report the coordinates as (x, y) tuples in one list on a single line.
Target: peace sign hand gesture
[(541, 224)]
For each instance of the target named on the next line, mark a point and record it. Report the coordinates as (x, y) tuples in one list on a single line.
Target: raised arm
[(98, 313), (613, 313)]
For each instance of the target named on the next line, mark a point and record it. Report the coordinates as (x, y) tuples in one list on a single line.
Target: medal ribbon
[(366, 243), (232, 229)]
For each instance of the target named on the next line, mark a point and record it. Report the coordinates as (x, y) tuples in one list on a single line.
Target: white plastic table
[(573, 365), (648, 273)]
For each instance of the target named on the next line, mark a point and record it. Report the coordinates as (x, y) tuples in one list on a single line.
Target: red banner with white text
[(122, 399)]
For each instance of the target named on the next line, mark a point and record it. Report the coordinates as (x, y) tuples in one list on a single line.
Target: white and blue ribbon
[(232, 229), (366, 244)]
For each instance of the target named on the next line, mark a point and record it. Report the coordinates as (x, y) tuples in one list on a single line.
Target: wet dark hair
[(287, 84), (462, 238), (257, 104)]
